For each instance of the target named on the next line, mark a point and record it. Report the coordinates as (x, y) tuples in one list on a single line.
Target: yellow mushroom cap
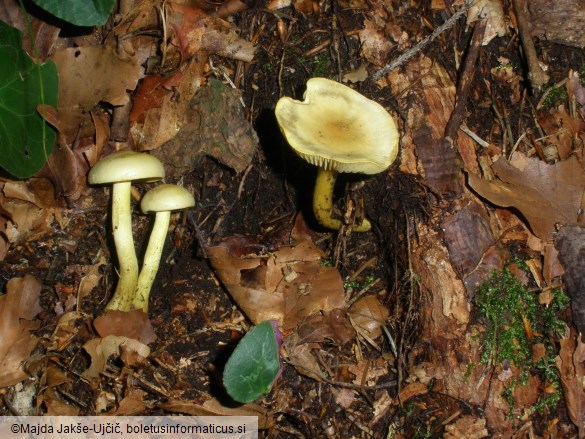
[(126, 166), (166, 197), (337, 128)]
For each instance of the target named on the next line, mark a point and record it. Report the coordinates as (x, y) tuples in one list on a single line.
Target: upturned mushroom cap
[(166, 197), (338, 129), (126, 166)]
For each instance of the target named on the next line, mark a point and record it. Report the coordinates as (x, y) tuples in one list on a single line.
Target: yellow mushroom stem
[(323, 202), (151, 261), (122, 231)]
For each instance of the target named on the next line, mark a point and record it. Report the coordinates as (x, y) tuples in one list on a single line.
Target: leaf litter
[(358, 348)]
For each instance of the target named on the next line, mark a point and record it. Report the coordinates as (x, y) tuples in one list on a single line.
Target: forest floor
[(361, 357)]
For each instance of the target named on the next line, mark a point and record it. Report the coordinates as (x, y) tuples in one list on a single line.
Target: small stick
[(536, 75), (423, 43), (469, 67)]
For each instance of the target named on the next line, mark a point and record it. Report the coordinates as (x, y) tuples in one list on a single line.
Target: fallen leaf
[(545, 194), (466, 427), (375, 46), (133, 324), (18, 307), (195, 31), (86, 77), (493, 12), (369, 315), (100, 349)]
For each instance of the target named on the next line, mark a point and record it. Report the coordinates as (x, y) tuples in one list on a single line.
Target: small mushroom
[(121, 168), (338, 130), (161, 200)]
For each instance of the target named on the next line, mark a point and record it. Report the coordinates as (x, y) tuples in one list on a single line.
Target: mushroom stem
[(151, 261), (122, 232), (323, 202)]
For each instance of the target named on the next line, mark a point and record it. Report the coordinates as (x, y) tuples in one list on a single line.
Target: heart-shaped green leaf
[(255, 363), (79, 12), (25, 139)]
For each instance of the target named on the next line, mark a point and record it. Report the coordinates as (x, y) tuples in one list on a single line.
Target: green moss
[(510, 309)]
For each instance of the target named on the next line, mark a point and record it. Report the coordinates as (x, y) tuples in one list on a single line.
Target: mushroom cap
[(337, 128), (126, 166), (166, 197)]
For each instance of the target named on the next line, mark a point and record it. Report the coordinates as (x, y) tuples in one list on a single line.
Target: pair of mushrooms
[(338, 130), (121, 169)]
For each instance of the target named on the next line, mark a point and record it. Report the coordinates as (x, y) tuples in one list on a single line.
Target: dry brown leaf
[(233, 144), (56, 406), (100, 349), (133, 324), (67, 328), (545, 194), (18, 307), (300, 355), (369, 315), (333, 325), (466, 427), (411, 390), (195, 31), (286, 285), (88, 75), (131, 405), (375, 45), (493, 12), (213, 407)]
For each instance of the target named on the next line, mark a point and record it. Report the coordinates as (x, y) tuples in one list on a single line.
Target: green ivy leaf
[(79, 12), (255, 363), (25, 139)]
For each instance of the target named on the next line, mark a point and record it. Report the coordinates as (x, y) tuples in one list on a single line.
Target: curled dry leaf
[(100, 349), (491, 11), (95, 65), (133, 324), (369, 315), (545, 194), (195, 31), (18, 307), (286, 285)]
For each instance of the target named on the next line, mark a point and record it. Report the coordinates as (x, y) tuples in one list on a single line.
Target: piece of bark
[(559, 21), (570, 242)]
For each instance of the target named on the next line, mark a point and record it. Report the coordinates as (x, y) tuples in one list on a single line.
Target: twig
[(469, 67), (536, 75), (423, 43)]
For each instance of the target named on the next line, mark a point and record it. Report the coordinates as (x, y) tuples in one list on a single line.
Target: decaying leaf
[(213, 407), (214, 125), (286, 285), (493, 12), (86, 77), (18, 307), (369, 315), (375, 46), (300, 356), (466, 427), (332, 325), (133, 324), (100, 349), (545, 194)]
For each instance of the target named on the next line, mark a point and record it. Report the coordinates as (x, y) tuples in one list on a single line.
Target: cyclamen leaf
[(255, 363), (25, 139), (79, 13)]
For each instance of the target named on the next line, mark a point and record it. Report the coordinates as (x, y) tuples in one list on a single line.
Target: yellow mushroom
[(338, 130)]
